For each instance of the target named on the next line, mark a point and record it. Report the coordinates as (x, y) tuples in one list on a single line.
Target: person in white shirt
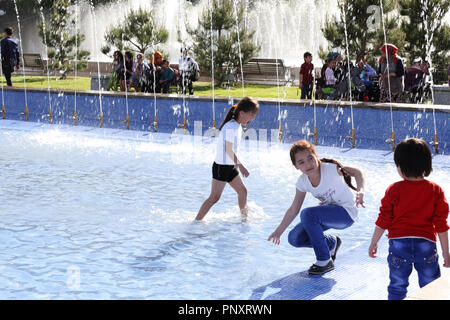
[(330, 182), (330, 79), (224, 169), (188, 69)]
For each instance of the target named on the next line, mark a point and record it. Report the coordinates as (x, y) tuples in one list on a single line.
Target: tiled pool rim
[(372, 121)]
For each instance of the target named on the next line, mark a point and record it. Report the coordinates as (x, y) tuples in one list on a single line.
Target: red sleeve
[(386, 215), (440, 213), (302, 69)]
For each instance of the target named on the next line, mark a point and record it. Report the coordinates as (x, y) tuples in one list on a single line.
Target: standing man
[(10, 55)]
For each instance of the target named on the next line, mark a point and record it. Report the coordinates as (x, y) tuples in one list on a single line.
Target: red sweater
[(306, 69), (413, 209)]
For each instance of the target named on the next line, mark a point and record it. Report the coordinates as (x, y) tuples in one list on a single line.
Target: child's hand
[(244, 171), (373, 250), (446, 260), (360, 199), (275, 237)]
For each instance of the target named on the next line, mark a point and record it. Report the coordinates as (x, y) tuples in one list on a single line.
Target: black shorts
[(224, 172)]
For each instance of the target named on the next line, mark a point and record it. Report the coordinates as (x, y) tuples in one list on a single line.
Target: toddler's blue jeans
[(404, 253), (313, 222)]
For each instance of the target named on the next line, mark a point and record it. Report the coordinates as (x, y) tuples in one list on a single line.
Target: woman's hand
[(359, 199)]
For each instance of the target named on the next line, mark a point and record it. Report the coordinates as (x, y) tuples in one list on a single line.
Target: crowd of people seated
[(338, 79), (157, 76), (390, 81)]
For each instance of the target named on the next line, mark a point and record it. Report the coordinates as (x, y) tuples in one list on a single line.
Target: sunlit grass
[(200, 88), (252, 90), (81, 83)]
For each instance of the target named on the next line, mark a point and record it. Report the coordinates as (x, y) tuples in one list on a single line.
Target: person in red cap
[(391, 71)]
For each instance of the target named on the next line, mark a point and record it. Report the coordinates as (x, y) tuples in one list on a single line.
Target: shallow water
[(108, 214)]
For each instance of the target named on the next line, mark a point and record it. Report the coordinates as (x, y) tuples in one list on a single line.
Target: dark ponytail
[(246, 104), (347, 177)]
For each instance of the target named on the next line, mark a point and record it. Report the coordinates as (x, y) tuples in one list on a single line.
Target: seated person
[(139, 72), (188, 69), (126, 72), (155, 66), (330, 79), (166, 77), (367, 72)]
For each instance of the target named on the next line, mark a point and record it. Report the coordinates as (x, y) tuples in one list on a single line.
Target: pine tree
[(60, 38), (138, 32), (425, 20), (365, 34), (225, 40)]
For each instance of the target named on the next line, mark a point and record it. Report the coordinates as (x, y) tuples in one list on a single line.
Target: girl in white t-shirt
[(330, 182), (224, 169)]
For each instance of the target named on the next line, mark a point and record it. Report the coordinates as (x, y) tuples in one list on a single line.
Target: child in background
[(413, 211), (224, 169), (330, 182), (305, 77)]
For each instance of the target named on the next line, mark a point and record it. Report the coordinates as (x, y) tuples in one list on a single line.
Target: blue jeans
[(314, 221), (403, 255)]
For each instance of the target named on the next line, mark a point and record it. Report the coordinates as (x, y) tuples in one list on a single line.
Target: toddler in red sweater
[(413, 211)]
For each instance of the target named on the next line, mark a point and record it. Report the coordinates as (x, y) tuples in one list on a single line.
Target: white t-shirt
[(231, 132), (187, 64), (332, 189), (330, 79)]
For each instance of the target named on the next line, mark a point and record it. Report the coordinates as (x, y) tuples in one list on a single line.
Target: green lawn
[(82, 83), (200, 88)]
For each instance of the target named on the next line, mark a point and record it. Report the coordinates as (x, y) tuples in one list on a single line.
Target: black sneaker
[(338, 244), (315, 269)]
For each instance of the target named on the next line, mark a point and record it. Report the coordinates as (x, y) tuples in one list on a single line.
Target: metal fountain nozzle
[(434, 143)]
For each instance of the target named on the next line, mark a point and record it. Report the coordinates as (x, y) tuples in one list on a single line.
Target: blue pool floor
[(356, 275)]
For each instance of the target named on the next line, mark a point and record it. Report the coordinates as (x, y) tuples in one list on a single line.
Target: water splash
[(392, 139), (46, 54), (239, 46), (23, 62), (343, 12), (94, 21), (430, 28)]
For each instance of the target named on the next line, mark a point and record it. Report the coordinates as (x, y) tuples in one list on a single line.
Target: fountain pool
[(90, 213)]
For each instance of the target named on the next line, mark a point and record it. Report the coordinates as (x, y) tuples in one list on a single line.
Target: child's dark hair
[(9, 31), (302, 145), (119, 55), (413, 156), (307, 54), (247, 104)]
